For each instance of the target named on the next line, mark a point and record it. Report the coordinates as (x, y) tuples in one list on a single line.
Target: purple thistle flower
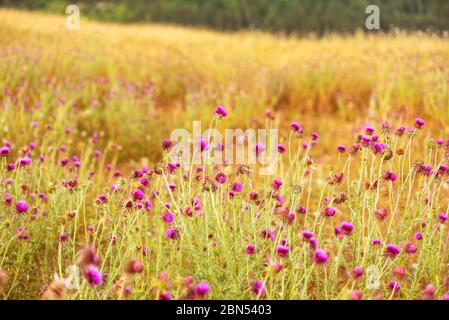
[(169, 217), (347, 227), (306, 235), (93, 275), (258, 288), (281, 148), (379, 147), (394, 286), (277, 184), (442, 217), (237, 187), (392, 250), (341, 148), (202, 289), (250, 248), (391, 176), (419, 123), (220, 178), (357, 272), (138, 194), (313, 243), (21, 206), (4, 151), (411, 248), (167, 144), (260, 148), (296, 127), (172, 233), (369, 130), (321, 256), (221, 111), (329, 212), (203, 144), (24, 161), (282, 250)]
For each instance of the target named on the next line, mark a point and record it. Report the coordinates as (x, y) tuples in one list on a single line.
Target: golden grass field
[(122, 89)]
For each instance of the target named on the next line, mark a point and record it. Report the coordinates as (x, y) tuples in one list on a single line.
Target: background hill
[(319, 16)]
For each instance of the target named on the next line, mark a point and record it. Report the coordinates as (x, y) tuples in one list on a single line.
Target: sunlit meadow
[(92, 207)]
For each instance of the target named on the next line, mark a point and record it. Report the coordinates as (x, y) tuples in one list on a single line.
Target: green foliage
[(319, 16)]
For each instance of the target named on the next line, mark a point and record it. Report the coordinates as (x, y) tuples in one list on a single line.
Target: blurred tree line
[(302, 16)]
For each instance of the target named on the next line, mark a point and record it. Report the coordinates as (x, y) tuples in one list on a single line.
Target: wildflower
[(347, 227), (400, 131), (410, 248), (321, 256), (336, 179), (369, 130), (281, 148), (313, 243), (172, 233), (329, 212), (250, 248), (400, 272), (169, 217), (134, 267), (202, 289), (260, 148), (268, 234), (167, 144), (341, 148), (381, 214), (391, 176), (220, 178), (357, 272), (101, 199), (4, 151), (442, 217), (418, 236), (165, 296), (282, 250), (337, 231), (24, 161), (237, 187), (443, 168), (365, 140), (21, 206), (93, 276), (419, 123), (277, 184), (138, 194), (376, 242), (63, 237), (221, 111), (392, 250), (429, 292), (258, 288), (379, 147), (356, 295), (315, 136), (296, 127), (203, 144), (301, 210), (394, 286)]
